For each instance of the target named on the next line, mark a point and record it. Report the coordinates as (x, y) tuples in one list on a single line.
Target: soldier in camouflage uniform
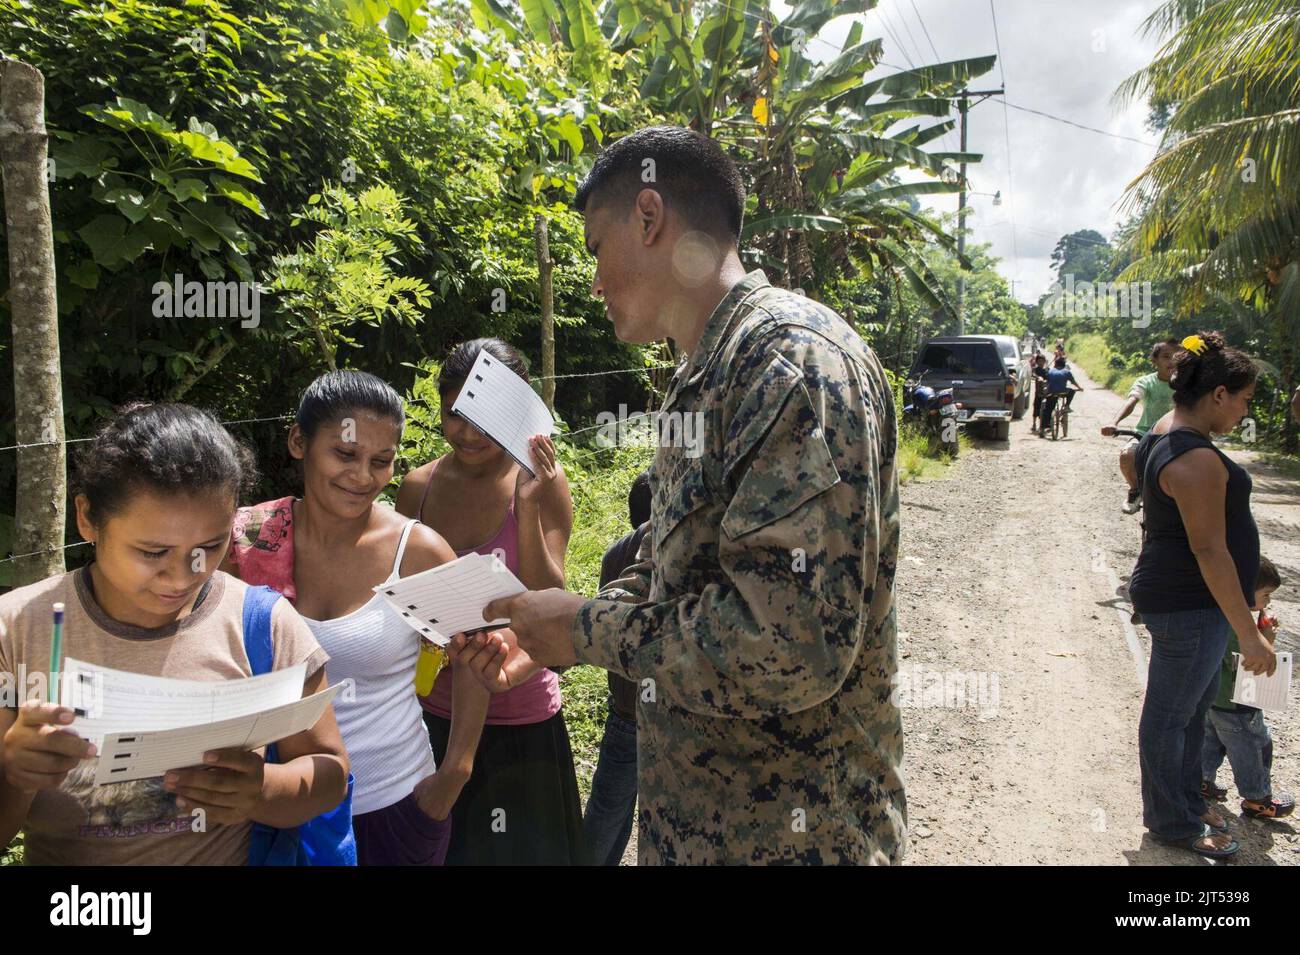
[(759, 619)]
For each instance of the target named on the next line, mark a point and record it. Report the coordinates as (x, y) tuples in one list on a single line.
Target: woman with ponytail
[(1194, 584), (326, 552)]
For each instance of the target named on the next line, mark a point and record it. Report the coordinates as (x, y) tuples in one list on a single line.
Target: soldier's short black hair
[(692, 173)]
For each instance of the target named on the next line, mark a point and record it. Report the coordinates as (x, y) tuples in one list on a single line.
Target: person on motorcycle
[(1059, 379), (1157, 399)]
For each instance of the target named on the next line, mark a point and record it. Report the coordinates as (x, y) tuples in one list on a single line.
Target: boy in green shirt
[(1157, 400)]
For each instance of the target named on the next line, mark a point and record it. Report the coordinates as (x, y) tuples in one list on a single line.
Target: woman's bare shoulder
[(411, 490), (425, 548)]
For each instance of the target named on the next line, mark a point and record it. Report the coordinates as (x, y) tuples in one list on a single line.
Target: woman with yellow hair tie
[(1194, 585)]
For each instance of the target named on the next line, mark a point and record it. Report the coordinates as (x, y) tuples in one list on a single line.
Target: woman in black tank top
[(1193, 585)]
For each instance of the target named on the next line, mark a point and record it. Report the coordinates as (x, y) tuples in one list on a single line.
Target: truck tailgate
[(985, 394)]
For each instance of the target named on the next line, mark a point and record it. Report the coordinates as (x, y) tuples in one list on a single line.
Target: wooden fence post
[(39, 517), (544, 267)]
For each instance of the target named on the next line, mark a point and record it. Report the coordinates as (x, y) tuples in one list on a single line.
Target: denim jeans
[(607, 823), (1187, 649), (1243, 736)]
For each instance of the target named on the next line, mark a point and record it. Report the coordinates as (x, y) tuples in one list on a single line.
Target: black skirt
[(521, 804)]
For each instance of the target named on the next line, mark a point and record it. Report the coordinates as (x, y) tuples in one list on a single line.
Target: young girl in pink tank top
[(524, 764), (533, 701)]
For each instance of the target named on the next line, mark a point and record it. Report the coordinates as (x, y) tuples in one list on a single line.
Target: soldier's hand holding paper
[(541, 623)]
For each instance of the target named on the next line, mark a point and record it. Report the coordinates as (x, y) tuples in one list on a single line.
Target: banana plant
[(828, 145), (820, 144)]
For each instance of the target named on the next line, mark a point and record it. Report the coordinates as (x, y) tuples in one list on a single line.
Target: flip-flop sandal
[(1277, 808), (1211, 791), (1192, 844)]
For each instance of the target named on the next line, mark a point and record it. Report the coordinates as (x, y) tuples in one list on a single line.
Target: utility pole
[(963, 106)]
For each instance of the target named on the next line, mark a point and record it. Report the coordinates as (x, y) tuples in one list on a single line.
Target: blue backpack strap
[(259, 602), (327, 839)]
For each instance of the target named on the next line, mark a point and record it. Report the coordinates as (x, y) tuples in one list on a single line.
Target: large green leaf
[(492, 14), (539, 14), (236, 192), (129, 202), (218, 152), (110, 242), (128, 114), (808, 17), (939, 77), (721, 33), (791, 220), (840, 74), (866, 197), (87, 156)]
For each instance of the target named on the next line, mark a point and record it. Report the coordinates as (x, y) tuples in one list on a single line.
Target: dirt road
[(1021, 678)]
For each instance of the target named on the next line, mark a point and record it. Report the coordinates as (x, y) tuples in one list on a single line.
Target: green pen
[(56, 653)]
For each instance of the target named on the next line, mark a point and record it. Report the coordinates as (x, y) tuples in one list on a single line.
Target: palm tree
[(1219, 207)]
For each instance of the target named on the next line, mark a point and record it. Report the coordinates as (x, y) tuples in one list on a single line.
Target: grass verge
[(914, 461), (1104, 366)]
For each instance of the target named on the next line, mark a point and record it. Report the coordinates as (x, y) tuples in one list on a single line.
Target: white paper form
[(127, 756), (116, 701), (449, 599), (504, 407), (1270, 693)]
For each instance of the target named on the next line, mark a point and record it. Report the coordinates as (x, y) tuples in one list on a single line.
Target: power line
[(921, 21), (902, 17), (1091, 129), (1006, 134), (946, 138), (888, 29)]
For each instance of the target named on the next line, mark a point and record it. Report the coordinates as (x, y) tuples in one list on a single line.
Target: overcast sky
[(1064, 57)]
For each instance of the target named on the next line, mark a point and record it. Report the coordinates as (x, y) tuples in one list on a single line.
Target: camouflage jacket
[(759, 621)]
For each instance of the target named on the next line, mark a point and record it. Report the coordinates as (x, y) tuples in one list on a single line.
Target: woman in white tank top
[(326, 552)]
